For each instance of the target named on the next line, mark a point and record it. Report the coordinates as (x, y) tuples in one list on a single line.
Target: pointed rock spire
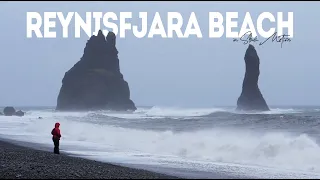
[(251, 98)]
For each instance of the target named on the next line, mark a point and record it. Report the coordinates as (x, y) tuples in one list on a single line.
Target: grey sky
[(166, 72)]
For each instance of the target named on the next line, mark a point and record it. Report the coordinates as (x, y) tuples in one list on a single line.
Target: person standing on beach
[(56, 135)]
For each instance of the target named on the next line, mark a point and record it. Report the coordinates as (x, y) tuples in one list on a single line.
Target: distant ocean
[(198, 142)]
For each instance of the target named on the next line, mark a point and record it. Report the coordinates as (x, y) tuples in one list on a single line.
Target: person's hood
[(57, 125)]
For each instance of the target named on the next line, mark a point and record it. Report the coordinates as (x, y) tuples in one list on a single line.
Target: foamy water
[(238, 151)]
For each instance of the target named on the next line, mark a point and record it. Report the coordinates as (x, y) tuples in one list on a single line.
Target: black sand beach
[(19, 162)]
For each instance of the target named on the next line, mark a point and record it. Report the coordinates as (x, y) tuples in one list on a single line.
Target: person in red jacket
[(56, 135)]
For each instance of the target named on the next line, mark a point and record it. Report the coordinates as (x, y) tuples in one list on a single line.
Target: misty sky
[(165, 72)]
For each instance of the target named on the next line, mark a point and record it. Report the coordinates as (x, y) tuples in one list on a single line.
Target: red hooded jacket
[(56, 131)]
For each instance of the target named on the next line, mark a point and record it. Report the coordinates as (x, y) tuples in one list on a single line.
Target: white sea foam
[(204, 150)]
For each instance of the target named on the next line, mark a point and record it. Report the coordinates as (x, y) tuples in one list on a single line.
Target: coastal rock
[(9, 111), (251, 98), (95, 82), (19, 113)]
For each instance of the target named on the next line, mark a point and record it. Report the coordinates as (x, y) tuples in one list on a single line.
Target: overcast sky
[(165, 72)]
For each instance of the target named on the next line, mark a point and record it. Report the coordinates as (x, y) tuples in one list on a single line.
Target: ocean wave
[(157, 112), (220, 145)]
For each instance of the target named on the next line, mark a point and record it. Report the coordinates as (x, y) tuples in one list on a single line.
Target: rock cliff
[(95, 82)]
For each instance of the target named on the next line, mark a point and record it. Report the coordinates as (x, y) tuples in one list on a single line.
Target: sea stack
[(251, 98), (95, 82)]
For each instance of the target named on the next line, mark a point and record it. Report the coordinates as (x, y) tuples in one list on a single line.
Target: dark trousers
[(56, 145)]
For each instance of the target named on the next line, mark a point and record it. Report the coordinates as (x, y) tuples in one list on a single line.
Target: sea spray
[(85, 134)]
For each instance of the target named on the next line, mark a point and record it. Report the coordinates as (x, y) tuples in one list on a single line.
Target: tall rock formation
[(95, 82), (251, 98)]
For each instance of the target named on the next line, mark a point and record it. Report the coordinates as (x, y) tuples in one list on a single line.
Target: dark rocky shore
[(19, 162)]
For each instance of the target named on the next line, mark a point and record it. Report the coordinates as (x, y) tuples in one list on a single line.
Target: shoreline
[(155, 171), (22, 162)]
